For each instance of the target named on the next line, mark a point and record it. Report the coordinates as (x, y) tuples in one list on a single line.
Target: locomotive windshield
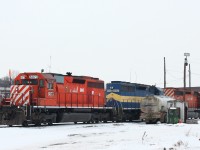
[(29, 82)]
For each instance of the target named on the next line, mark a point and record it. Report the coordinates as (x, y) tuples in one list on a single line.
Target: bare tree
[(5, 82)]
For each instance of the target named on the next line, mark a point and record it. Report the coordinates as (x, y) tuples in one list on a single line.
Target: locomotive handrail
[(77, 99)]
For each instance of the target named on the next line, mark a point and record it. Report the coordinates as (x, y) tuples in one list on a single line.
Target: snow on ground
[(110, 136)]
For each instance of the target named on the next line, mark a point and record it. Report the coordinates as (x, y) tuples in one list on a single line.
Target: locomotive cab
[(32, 88)]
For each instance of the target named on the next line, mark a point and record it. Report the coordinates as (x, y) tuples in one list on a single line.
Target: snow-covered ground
[(109, 136)]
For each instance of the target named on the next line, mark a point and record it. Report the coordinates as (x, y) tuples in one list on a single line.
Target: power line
[(174, 76), (193, 73), (171, 70), (197, 74)]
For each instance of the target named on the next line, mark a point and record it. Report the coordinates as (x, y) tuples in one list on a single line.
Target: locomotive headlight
[(33, 77)]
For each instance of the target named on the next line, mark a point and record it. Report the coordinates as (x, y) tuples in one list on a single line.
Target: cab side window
[(17, 82), (50, 85), (41, 83)]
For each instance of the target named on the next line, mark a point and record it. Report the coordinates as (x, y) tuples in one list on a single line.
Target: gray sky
[(110, 39)]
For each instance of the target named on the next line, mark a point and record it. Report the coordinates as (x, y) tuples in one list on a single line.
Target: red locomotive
[(49, 98), (190, 96), (57, 90)]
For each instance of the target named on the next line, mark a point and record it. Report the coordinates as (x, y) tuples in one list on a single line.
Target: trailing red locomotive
[(37, 98), (190, 96)]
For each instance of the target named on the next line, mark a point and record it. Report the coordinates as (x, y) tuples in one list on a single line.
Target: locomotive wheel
[(25, 124), (50, 123), (3, 116), (165, 119), (37, 123), (105, 121), (92, 120)]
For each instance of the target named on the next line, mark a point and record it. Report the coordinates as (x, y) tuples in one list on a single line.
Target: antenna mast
[(164, 74), (50, 65)]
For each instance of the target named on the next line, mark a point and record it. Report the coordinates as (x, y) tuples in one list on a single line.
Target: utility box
[(173, 115), (177, 111)]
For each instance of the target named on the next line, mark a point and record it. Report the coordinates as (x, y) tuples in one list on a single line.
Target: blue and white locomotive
[(126, 97)]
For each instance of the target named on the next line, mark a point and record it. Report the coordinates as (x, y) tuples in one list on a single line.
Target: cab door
[(41, 88)]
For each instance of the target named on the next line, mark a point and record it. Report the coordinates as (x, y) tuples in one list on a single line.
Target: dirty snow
[(110, 136)]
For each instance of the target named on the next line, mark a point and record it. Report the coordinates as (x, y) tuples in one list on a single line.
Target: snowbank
[(109, 136)]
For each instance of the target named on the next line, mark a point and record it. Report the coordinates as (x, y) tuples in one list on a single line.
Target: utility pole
[(184, 78), (164, 74)]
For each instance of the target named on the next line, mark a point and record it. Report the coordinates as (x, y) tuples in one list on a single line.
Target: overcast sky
[(110, 39)]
